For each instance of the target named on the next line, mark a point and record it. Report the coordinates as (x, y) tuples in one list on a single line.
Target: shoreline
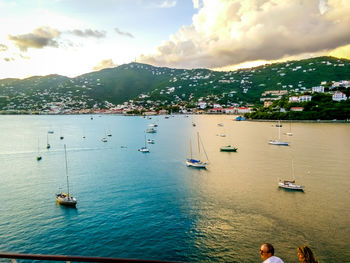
[(184, 114)]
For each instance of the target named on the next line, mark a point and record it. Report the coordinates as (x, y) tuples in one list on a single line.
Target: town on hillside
[(143, 89)]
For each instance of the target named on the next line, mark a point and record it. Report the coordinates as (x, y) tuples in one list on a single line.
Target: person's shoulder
[(273, 259)]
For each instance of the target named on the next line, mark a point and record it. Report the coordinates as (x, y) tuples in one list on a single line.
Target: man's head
[(266, 251)]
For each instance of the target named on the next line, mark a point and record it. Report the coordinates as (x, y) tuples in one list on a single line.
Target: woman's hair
[(308, 255)]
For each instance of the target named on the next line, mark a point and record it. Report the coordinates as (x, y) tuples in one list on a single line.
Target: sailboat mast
[(65, 155), (199, 148), (279, 130), (190, 148)]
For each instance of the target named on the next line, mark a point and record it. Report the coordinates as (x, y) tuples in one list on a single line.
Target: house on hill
[(339, 96), (319, 89)]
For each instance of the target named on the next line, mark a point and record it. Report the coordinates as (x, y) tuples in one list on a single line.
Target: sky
[(73, 37)]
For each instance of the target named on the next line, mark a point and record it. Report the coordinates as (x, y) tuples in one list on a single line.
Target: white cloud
[(229, 32), (165, 4)]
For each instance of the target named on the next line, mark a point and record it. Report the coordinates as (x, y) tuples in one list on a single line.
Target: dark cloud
[(107, 63), (3, 47), (39, 38), (127, 34), (88, 33)]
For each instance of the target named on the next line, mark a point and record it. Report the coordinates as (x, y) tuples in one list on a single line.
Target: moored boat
[(65, 198), (196, 163), (151, 130), (228, 148), (290, 185)]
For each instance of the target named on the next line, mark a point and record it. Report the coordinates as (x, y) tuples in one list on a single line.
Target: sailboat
[(65, 198), (48, 146), (228, 148), (61, 136), (290, 130), (38, 157), (144, 149), (290, 184), (278, 142), (191, 162)]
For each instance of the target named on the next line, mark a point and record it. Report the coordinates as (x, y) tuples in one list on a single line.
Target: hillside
[(163, 86)]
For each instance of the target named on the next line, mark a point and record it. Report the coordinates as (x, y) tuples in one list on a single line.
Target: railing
[(13, 258)]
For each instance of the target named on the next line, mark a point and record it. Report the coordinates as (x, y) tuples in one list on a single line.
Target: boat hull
[(278, 143), (196, 164), (63, 199), (228, 149), (292, 187)]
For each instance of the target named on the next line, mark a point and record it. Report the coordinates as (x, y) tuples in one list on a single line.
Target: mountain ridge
[(145, 83)]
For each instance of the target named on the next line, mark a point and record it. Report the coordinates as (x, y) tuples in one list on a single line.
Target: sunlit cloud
[(225, 33), (119, 32), (3, 47), (107, 63), (40, 38)]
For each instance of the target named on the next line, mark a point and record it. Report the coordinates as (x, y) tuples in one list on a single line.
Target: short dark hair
[(270, 248)]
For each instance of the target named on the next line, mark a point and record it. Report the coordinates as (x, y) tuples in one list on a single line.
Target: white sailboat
[(191, 162), (65, 198), (290, 130), (290, 184), (278, 142), (144, 149)]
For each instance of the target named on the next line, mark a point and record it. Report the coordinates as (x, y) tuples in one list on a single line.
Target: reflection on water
[(154, 207)]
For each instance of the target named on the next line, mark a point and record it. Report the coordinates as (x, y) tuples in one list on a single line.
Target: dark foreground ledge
[(14, 256)]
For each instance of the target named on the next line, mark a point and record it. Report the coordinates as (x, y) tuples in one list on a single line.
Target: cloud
[(107, 63), (9, 59), (39, 38), (166, 4), (226, 32), (127, 34), (88, 33), (161, 3), (3, 47)]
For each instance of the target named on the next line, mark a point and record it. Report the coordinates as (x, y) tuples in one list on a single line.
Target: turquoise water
[(151, 206)]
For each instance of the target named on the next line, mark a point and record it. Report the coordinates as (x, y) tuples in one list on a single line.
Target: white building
[(319, 89), (202, 104), (338, 96), (305, 98), (293, 99), (242, 110)]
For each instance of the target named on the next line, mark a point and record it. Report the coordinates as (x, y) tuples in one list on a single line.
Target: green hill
[(147, 84)]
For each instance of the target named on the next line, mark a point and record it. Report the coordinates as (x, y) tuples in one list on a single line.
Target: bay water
[(151, 206)]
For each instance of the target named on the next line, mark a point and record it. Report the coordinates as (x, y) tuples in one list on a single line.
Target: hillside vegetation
[(164, 86)]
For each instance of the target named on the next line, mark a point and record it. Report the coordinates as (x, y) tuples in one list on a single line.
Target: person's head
[(305, 255), (266, 251)]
